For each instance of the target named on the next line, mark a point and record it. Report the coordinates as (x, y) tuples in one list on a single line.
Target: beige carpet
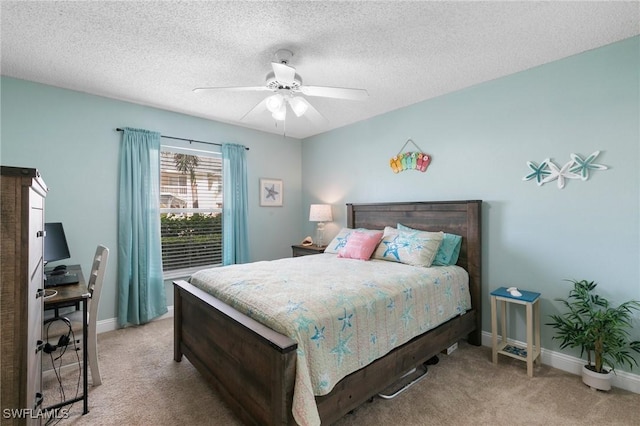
[(142, 385)]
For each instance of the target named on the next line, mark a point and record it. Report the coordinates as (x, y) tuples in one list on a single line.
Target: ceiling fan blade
[(234, 89), (335, 92), (255, 111), (284, 73), (313, 114)]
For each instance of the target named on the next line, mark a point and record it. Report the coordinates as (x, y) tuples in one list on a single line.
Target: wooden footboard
[(253, 367), (250, 365)]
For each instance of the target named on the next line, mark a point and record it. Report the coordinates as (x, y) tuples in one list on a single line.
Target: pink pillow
[(360, 245)]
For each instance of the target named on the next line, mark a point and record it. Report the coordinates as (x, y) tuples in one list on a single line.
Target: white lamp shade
[(320, 213)]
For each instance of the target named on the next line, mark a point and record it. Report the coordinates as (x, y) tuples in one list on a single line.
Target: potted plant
[(599, 329)]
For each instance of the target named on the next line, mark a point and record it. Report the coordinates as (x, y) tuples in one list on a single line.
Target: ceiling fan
[(288, 89)]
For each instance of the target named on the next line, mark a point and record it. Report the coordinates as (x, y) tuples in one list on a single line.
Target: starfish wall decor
[(271, 191), (576, 168)]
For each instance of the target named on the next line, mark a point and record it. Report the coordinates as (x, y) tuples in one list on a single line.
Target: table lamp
[(320, 213)]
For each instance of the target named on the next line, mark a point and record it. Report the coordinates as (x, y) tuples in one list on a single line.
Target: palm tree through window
[(190, 209)]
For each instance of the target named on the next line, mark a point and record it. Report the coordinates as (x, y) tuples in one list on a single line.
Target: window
[(190, 210)]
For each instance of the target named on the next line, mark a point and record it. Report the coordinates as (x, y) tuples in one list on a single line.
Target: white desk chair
[(94, 285)]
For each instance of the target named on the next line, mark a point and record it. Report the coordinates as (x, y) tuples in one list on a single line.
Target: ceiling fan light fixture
[(298, 105), (284, 84), (281, 113), (275, 102)]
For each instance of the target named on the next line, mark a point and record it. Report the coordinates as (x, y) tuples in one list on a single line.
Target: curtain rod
[(187, 140)]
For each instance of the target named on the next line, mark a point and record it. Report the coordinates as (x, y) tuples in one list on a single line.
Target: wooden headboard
[(455, 217)]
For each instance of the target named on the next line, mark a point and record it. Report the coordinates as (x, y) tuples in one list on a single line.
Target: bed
[(254, 367)]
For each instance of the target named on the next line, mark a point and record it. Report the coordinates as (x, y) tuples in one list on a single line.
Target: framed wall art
[(271, 192)]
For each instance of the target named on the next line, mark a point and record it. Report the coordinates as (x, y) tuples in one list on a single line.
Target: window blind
[(191, 198)]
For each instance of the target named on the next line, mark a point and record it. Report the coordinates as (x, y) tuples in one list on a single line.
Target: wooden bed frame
[(253, 367)]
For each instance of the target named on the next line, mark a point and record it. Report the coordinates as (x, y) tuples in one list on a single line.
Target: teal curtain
[(141, 293), (235, 241)]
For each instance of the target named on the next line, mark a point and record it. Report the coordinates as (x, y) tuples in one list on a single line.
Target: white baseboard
[(111, 324), (570, 364)]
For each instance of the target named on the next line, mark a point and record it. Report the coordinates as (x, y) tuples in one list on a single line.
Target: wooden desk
[(69, 295)]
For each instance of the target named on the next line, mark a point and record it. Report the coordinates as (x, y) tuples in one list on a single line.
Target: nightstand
[(529, 354), (299, 250)]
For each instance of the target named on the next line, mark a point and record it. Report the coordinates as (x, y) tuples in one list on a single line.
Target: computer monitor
[(55, 243)]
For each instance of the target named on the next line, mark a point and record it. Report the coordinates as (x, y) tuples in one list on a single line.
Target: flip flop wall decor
[(410, 160)]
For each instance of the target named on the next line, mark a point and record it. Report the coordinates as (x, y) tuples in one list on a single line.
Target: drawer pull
[(41, 234)]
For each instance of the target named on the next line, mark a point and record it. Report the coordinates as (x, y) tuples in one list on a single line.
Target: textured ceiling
[(155, 53)]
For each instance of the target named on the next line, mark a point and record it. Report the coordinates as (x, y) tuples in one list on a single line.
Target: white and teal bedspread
[(344, 313)]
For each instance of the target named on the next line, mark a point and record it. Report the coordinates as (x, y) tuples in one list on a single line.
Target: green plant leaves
[(593, 325)]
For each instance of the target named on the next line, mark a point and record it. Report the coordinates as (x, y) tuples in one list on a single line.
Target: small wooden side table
[(300, 250), (531, 353)]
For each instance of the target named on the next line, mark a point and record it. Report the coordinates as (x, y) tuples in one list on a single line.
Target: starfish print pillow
[(449, 249), (417, 248)]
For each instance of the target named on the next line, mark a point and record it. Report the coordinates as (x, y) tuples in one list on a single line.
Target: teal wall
[(70, 137), (480, 139)]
